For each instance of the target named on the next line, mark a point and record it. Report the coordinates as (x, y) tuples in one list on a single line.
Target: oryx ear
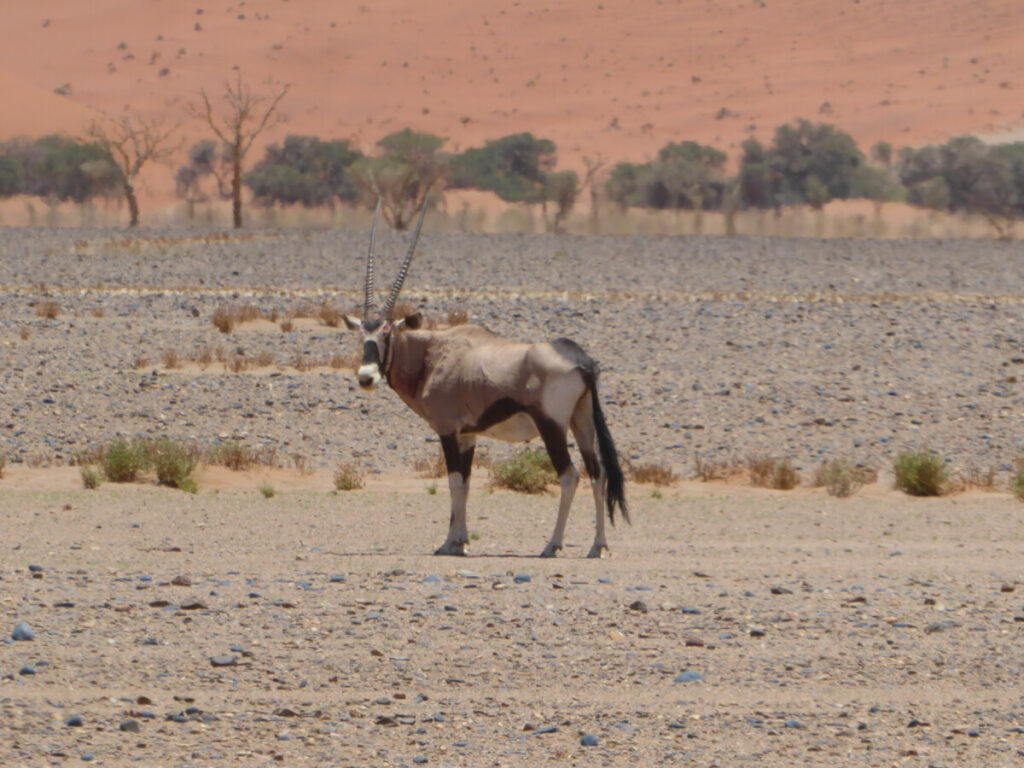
[(353, 323), (413, 321)]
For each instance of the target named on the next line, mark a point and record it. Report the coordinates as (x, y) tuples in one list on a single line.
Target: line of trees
[(805, 164)]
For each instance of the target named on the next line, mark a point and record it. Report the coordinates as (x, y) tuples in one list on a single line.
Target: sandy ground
[(731, 627), (606, 81)]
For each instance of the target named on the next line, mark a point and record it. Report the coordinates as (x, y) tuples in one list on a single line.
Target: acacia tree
[(131, 142), (402, 176), (242, 116)]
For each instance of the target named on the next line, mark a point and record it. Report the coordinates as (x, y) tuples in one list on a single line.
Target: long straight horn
[(368, 300), (389, 305)]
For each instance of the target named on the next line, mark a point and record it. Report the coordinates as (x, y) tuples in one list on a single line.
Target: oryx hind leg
[(458, 459), (586, 438), (568, 477)]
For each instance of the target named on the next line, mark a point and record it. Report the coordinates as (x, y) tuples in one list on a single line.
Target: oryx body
[(466, 381)]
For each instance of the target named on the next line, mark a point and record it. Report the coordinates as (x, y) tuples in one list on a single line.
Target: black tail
[(616, 490), (615, 493)]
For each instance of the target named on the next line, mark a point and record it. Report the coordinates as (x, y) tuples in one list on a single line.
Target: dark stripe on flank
[(497, 412)]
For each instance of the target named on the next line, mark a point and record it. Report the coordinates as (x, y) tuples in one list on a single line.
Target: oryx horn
[(389, 305), (368, 299)]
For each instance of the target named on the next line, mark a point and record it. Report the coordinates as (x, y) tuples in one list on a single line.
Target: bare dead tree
[(131, 142), (594, 165), (243, 115)]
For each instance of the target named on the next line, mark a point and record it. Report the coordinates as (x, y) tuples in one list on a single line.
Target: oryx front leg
[(458, 459)]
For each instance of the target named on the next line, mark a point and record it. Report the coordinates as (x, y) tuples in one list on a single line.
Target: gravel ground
[(733, 626), (714, 347)]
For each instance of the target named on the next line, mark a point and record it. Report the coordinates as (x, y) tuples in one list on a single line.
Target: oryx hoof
[(599, 551), (453, 548), (551, 550)]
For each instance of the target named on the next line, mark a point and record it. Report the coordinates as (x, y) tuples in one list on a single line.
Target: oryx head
[(377, 325)]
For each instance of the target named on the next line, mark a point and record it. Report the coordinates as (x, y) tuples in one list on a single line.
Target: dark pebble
[(545, 729), (223, 661), (688, 676), (756, 632), (36, 568), (638, 605), (131, 726), (588, 740), (521, 578), (419, 759), (22, 631), (75, 721), (28, 669), (791, 723)]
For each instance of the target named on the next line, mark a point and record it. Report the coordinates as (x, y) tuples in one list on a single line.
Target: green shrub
[(920, 473), (174, 464), (840, 478), (528, 471), (268, 491), (348, 477), (91, 479), (123, 460), (1018, 485)]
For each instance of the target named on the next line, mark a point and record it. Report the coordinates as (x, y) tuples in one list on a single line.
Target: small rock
[(22, 631), (688, 676), (419, 759), (75, 721), (588, 740), (638, 605), (1004, 588), (223, 661), (130, 726), (781, 591), (545, 729), (693, 642), (28, 669), (521, 578), (793, 723), (181, 581), (757, 632)]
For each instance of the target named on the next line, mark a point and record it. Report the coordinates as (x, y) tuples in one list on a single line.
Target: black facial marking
[(371, 354), (496, 412), (369, 326)]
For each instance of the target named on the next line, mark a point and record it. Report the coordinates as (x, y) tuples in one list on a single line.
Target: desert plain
[(732, 625)]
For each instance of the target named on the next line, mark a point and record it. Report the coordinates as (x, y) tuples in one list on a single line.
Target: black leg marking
[(554, 440), (452, 456), (466, 461), (592, 464)]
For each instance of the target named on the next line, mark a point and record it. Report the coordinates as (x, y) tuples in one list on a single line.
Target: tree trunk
[(236, 187), (133, 205)]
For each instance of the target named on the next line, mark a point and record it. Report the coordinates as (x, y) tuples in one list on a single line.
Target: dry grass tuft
[(329, 315), (287, 326), (24, 332), (714, 470), (264, 359), (431, 466), (140, 362), (920, 473), (348, 477), (238, 364), (223, 319), (233, 455), (204, 356), (48, 309), (651, 474), (768, 472), (171, 359), (97, 312)]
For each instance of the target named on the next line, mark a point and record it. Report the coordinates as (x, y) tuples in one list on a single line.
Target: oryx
[(466, 381)]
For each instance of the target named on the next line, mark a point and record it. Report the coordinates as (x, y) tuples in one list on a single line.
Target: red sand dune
[(604, 79)]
